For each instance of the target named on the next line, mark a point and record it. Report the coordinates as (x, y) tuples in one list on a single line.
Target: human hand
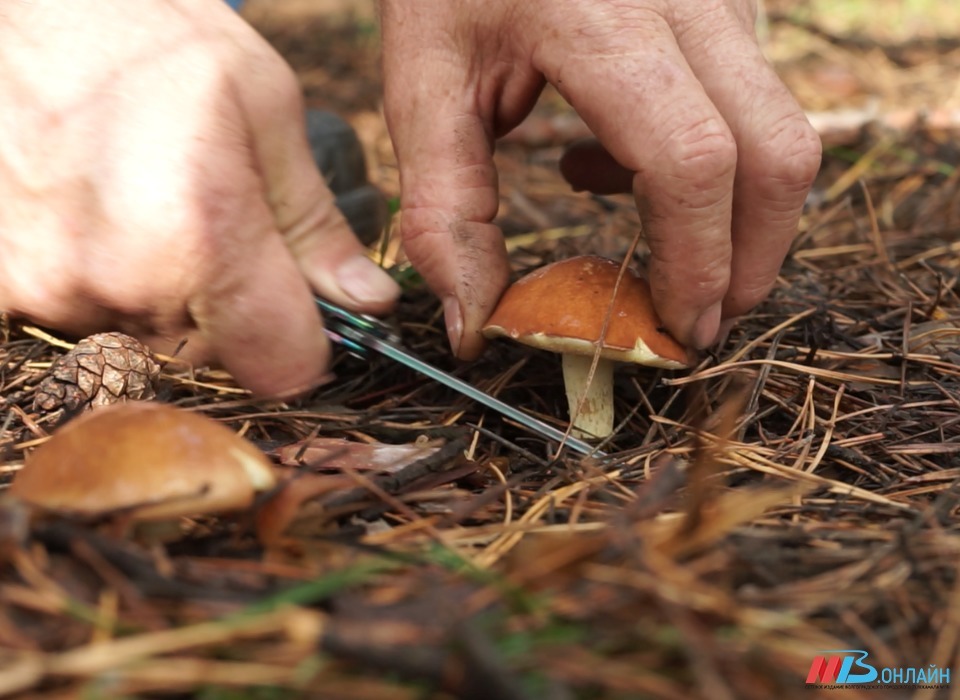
[(156, 179), (687, 113)]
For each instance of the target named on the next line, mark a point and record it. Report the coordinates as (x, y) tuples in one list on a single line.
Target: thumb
[(326, 250)]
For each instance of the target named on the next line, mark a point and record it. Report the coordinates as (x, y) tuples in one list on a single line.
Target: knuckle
[(417, 222), (320, 223), (704, 151), (791, 155), (277, 92), (286, 90)]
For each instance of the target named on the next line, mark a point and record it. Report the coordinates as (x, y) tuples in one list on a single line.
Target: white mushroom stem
[(590, 400)]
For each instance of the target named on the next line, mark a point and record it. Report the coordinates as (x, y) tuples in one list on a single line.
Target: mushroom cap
[(148, 460), (562, 306)]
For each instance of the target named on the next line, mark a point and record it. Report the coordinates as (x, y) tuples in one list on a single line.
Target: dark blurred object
[(338, 154)]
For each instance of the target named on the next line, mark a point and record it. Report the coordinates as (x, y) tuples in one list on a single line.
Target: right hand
[(688, 115), (155, 179)]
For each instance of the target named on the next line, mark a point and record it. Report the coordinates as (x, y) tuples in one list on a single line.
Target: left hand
[(155, 178)]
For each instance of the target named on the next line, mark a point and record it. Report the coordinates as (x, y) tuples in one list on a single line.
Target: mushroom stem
[(594, 398)]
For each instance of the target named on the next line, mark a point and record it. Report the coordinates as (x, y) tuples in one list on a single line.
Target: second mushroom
[(561, 307)]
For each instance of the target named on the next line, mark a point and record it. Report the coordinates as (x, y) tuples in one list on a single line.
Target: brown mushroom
[(147, 461), (561, 307)]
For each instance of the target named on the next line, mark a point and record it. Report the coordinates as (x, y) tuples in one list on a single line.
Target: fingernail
[(363, 281), (454, 320), (706, 328)]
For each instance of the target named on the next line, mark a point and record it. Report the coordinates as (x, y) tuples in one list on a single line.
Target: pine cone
[(102, 369)]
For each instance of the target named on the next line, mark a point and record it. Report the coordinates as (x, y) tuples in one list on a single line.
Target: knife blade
[(369, 332)]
